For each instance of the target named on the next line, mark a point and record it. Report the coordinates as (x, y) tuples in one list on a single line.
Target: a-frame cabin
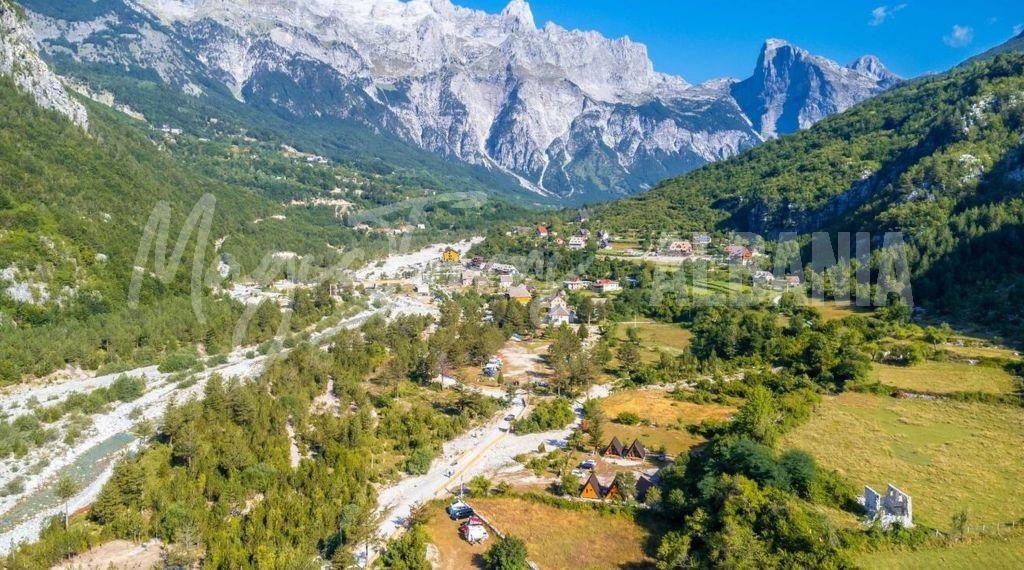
[(613, 493), (615, 448), (636, 451), (591, 489)]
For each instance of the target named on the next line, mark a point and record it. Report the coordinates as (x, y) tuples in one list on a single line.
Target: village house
[(505, 282), (604, 285), (542, 231), (701, 240), (503, 269), (793, 281), (895, 507), (764, 278), (520, 294), (558, 316), (559, 312), (577, 243), (739, 254), (471, 278), (680, 248), (450, 255), (575, 284)]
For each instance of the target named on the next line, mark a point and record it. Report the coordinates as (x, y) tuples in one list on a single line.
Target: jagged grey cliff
[(569, 114), (19, 60)]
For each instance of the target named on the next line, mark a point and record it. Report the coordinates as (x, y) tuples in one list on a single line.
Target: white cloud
[(882, 13), (959, 36)]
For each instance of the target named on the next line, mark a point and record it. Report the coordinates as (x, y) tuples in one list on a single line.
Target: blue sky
[(704, 39)]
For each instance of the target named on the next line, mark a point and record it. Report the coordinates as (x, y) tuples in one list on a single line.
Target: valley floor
[(89, 460)]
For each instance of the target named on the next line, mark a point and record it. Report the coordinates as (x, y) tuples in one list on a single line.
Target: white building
[(895, 507)]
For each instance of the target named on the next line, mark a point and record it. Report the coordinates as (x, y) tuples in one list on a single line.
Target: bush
[(479, 486), (628, 418), (509, 553), (554, 414), (179, 361)]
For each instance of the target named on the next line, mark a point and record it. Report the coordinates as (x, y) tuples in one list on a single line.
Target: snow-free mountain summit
[(569, 114)]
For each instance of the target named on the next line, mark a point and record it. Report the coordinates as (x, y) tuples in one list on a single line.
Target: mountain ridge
[(939, 160), (570, 115)]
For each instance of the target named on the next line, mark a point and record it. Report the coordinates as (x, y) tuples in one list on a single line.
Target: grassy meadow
[(946, 377), (585, 539), (664, 419), (949, 456)]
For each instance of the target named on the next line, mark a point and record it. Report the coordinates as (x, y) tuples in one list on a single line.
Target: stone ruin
[(895, 507)]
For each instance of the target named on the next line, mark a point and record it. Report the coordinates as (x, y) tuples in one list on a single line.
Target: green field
[(991, 553), (656, 337), (947, 455), (946, 377), (835, 310)]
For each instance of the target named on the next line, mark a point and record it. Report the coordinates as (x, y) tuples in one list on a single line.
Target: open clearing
[(584, 539), (977, 350), (835, 310), (946, 377), (947, 455), (655, 337), (990, 552), (668, 418), (117, 554)]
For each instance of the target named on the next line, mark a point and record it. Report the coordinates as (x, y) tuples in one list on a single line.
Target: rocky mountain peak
[(566, 113), (873, 67), (519, 15), (791, 88)]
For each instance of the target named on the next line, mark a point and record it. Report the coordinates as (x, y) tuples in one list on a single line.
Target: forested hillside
[(74, 204), (940, 159)]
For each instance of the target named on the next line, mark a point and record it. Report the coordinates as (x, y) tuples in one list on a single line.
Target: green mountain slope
[(73, 207), (1015, 43), (940, 159)]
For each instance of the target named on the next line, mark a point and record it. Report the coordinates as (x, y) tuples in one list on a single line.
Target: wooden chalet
[(643, 485), (636, 451), (615, 448), (613, 493), (591, 489)]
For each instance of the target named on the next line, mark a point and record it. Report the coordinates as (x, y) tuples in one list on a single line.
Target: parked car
[(459, 510), (510, 417), (588, 464)]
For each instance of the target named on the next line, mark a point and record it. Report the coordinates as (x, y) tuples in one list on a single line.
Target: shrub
[(509, 553), (628, 418)]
